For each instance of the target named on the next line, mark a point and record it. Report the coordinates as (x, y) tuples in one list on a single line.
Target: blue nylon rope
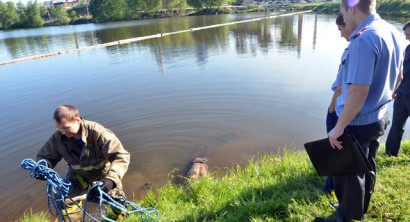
[(103, 197), (58, 189)]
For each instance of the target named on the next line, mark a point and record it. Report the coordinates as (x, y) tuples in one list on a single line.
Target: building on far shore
[(249, 2), (66, 3)]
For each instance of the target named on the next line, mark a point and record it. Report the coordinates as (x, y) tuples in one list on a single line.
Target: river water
[(226, 93)]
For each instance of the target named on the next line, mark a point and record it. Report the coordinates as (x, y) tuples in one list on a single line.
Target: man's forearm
[(398, 81), (356, 96)]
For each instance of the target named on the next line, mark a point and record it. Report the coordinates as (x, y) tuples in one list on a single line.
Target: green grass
[(274, 188), (30, 217), (323, 6), (396, 8)]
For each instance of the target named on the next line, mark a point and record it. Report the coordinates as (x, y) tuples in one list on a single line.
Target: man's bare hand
[(333, 135)]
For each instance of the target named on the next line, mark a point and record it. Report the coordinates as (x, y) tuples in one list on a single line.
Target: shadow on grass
[(386, 162), (274, 201)]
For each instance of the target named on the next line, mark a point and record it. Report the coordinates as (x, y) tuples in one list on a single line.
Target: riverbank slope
[(281, 187), (80, 14), (395, 8)]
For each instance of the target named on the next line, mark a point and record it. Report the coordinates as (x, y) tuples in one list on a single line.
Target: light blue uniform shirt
[(375, 58), (338, 80)]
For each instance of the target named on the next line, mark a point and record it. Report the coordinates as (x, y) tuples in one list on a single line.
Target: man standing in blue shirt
[(401, 107), (331, 117), (373, 64)]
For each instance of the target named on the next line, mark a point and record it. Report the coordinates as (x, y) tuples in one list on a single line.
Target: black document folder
[(329, 162)]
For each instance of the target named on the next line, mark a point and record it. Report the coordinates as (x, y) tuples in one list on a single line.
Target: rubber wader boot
[(75, 214)]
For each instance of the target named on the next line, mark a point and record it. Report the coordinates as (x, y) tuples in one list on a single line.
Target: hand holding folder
[(329, 162)]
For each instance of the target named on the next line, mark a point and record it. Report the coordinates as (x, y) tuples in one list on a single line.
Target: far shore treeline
[(33, 14)]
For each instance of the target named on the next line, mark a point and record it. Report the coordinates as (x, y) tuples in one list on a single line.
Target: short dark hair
[(339, 20), (65, 112), (407, 25)]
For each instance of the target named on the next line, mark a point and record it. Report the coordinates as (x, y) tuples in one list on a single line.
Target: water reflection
[(315, 32), (256, 36), (249, 38)]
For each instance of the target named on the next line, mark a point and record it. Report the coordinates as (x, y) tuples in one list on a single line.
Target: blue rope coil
[(121, 204), (58, 190)]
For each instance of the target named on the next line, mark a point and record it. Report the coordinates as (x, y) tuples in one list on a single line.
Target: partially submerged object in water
[(198, 169)]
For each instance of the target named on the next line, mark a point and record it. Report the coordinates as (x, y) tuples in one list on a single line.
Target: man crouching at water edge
[(92, 152), (372, 67)]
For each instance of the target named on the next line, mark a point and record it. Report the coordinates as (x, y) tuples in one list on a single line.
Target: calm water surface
[(225, 93)]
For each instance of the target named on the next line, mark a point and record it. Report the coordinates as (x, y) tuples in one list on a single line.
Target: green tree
[(60, 15), (171, 5), (12, 15), (8, 15), (73, 15), (180, 5), (205, 4), (219, 3), (21, 11), (197, 4), (151, 5), (135, 7), (212, 3), (33, 15), (45, 14), (2, 14), (108, 10)]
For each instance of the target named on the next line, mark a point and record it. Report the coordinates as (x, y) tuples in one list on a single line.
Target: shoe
[(322, 219), (391, 155)]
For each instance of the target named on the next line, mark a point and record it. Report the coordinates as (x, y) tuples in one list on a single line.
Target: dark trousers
[(331, 120), (354, 191), (401, 111)]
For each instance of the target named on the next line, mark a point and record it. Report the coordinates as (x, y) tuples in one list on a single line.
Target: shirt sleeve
[(362, 59), (338, 80), (49, 152), (116, 155)]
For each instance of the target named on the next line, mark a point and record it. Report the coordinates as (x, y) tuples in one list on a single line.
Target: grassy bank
[(396, 8), (275, 188)]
